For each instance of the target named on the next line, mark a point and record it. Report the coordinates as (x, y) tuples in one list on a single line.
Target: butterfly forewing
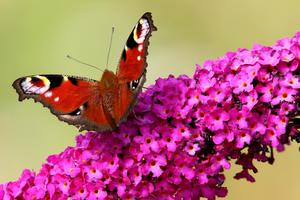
[(72, 99), (133, 59)]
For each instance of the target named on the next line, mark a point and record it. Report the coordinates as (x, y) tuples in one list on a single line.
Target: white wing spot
[(48, 94), (145, 30), (140, 47), (41, 90), (29, 87), (139, 58), (56, 99), (26, 85)]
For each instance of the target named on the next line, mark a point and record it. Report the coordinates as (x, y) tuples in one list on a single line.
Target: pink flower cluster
[(183, 134)]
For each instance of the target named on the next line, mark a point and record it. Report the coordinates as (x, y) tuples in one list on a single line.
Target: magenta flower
[(243, 137), (183, 134)]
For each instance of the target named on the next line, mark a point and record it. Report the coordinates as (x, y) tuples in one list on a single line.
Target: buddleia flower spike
[(240, 108)]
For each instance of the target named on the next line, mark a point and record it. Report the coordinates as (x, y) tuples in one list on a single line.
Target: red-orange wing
[(133, 59), (125, 99), (131, 71), (74, 100)]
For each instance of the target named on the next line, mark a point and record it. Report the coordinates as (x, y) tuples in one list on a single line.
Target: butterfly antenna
[(71, 58), (110, 42)]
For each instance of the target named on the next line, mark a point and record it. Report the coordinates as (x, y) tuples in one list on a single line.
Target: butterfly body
[(95, 105)]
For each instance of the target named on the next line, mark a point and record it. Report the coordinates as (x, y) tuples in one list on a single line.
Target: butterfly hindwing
[(72, 99), (133, 59), (125, 99)]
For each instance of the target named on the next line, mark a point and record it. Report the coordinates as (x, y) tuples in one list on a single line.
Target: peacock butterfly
[(90, 104)]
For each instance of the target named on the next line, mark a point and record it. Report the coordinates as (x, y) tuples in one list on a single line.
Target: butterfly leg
[(134, 115)]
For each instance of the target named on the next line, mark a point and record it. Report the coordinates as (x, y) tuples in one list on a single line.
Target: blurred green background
[(35, 37)]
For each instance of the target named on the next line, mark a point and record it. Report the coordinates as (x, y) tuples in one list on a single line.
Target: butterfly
[(95, 105)]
